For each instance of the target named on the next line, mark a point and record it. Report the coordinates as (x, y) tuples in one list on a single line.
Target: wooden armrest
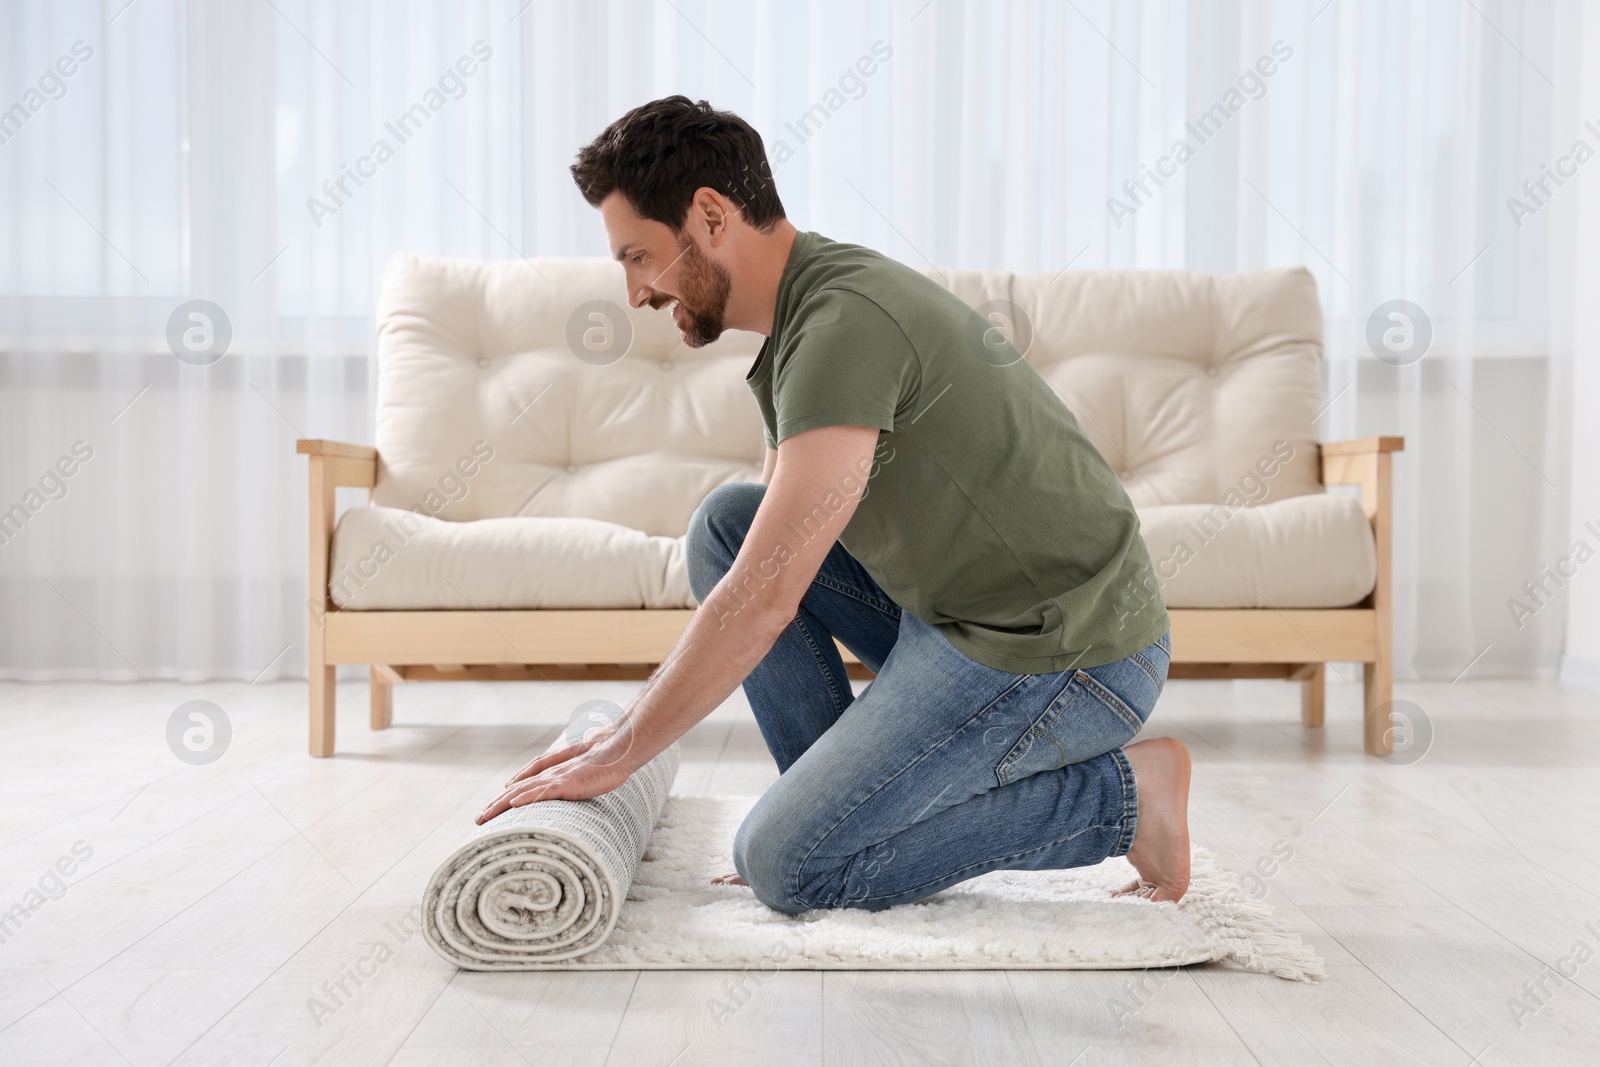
[(1365, 462), (1362, 445), (315, 446), (344, 464)]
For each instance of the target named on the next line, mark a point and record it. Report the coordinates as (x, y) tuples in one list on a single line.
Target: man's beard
[(703, 297)]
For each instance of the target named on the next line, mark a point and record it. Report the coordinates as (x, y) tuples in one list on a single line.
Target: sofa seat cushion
[(1313, 551), (390, 558)]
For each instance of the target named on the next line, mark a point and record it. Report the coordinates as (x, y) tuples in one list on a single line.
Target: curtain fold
[(268, 158)]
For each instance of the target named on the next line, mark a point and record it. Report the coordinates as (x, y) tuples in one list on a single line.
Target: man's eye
[(638, 260)]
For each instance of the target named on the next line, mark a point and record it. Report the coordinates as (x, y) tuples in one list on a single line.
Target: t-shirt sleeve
[(846, 363)]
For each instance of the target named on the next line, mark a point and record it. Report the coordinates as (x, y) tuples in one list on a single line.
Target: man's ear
[(713, 210)]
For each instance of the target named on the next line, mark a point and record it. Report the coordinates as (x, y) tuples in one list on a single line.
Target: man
[(927, 501)]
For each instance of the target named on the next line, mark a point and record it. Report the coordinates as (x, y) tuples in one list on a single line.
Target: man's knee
[(716, 530), (768, 855)]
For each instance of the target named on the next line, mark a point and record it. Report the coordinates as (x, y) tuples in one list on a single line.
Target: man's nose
[(639, 291)]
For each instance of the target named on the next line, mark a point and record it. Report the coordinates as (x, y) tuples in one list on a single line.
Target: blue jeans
[(942, 769)]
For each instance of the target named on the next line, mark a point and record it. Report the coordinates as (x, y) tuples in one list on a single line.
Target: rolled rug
[(544, 882)]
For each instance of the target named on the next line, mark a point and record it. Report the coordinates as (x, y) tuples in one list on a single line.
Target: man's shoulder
[(857, 287), (838, 303)]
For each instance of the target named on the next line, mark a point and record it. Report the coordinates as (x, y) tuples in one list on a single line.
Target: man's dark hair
[(659, 153)]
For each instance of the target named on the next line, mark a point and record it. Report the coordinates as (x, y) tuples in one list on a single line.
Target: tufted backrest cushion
[(1186, 382), (635, 432), (528, 387)]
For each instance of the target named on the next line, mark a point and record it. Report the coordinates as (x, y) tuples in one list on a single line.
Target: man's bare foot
[(728, 879), (1160, 851)]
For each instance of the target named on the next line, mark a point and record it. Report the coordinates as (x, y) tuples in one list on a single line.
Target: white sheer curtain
[(205, 151)]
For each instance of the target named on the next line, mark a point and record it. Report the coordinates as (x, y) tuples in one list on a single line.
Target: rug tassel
[(1252, 935)]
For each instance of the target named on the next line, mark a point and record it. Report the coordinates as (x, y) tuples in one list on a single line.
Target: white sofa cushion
[(475, 351), (387, 558), (1305, 552), (1183, 381), (1313, 551)]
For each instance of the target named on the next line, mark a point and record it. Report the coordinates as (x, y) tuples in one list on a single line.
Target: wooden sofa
[(576, 421), (545, 645)]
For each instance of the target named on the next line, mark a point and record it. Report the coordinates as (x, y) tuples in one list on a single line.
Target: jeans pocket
[(1085, 720), (1155, 660)]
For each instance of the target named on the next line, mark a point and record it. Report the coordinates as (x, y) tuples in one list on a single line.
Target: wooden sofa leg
[(1377, 692), (382, 700), (322, 707), (1313, 695)]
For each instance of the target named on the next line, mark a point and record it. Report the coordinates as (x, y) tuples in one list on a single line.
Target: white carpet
[(673, 919)]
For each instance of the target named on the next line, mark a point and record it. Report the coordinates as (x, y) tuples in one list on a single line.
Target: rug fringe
[(1246, 927)]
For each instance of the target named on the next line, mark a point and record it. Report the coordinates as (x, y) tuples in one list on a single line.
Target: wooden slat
[(1363, 445), (1257, 636), (1261, 635), (1377, 678), (1221, 671), (381, 692), (490, 637), (1314, 697), (559, 672), (529, 672), (348, 471), (344, 465), (1359, 470), (1372, 470), (316, 446), (320, 668)]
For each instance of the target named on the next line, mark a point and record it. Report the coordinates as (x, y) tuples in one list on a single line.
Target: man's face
[(663, 268)]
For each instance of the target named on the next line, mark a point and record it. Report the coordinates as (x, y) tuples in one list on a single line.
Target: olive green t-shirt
[(988, 513)]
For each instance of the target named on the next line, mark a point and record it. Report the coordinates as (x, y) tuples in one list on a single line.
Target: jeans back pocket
[(1085, 720)]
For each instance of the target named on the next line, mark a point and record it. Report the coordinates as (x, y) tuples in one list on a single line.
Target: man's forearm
[(702, 670), (743, 616)]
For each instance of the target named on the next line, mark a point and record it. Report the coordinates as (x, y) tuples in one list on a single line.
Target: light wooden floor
[(218, 900)]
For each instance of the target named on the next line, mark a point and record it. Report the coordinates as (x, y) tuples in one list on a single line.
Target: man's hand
[(596, 763)]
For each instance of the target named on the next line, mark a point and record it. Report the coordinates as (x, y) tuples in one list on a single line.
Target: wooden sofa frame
[(471, 645)]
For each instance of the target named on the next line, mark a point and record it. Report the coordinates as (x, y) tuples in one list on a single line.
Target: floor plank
[(1350, 1018), (702, 1017), (909, 1017), (1411, 949)]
